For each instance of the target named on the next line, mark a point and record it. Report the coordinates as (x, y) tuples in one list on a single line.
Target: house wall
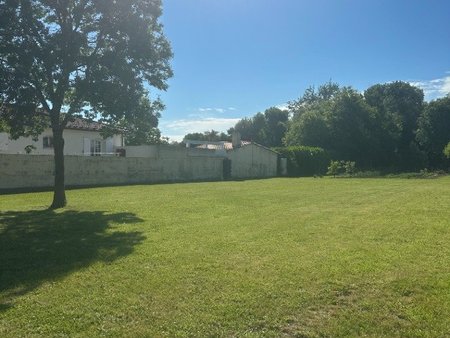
[(253, 161), (24, 171), (73, 139)]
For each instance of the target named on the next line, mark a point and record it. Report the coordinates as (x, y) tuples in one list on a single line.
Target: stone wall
[(142, 164), (26, 171)]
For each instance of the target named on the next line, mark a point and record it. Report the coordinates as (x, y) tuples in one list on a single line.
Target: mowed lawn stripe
[(294, 257)]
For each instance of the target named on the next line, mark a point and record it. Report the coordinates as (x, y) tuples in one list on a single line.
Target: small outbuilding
[(242, 159)]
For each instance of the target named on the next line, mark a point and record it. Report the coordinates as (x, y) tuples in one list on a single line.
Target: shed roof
[(222, 145)]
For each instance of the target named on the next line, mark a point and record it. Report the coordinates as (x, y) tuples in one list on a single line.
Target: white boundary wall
[(142, 164), (25, 171)]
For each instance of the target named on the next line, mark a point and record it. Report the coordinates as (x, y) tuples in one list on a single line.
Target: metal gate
[(226, 169)]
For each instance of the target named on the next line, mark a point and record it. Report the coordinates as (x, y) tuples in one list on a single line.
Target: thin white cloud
[(176, 129), (283, 106), (435, 88), (206, 110)]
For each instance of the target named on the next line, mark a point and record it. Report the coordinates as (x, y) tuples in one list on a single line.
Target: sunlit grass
[(293, 257)]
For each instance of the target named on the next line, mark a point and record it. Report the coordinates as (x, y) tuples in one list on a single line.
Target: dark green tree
[(275, 126), (398, 105), (310, 128), (337, 120), (79, 58), (351, 123), (311, 96), (141, 127), (433, 132), (210, 136), (266, 128), (251, 129)]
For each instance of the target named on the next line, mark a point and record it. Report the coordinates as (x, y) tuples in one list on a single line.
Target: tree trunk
[(59, 195)]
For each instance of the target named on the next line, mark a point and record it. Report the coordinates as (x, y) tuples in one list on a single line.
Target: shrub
[(368, 174), (341, 167), (447, 150), (334, 168), (305, 161), (349, 167)]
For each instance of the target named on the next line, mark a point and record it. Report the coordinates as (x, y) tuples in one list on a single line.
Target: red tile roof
[(82, 124)]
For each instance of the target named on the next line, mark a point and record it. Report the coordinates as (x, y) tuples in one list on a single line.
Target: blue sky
[(233, 58)]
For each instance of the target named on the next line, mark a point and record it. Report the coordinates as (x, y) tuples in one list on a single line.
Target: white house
[(81, 137)]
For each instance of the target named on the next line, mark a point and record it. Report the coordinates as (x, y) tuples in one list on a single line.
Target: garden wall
[(36, 171)]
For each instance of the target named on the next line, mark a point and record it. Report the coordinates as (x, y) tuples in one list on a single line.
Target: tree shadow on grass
[(38, 246)]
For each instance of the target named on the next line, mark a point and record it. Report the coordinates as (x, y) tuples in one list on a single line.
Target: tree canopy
[(209, 135), (79, 58), (376, 129), (266, 128), (433, 133)]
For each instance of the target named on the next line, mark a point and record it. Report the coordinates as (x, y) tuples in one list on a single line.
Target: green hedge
[(305, 161)]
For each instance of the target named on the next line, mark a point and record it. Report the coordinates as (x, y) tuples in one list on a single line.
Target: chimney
[(236, 139)]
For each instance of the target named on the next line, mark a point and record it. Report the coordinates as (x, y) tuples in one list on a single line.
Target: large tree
[(266, 128), (309, 123), (276, 125), (209, 136), (433, 133), (398, 105), (337, 120), (141, 127), (79, 58), (376, 129)]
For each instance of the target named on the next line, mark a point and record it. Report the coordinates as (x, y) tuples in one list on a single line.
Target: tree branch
[(39, 93)]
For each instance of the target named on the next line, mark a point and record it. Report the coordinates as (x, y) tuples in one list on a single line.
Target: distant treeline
[(387, 127)]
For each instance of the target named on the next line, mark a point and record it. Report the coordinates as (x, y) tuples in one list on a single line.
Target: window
[(48, 142), (96, 147)]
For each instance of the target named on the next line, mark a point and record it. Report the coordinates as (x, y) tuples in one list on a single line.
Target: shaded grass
[(293, 257)]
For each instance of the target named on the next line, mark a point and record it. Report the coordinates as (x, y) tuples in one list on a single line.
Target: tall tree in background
[(209, 135), (266, 128), (336, 119), (276, 126), (377, 129), (351, 124), (309, 126), (433, 132), (79, 58), (313, 96), (250, 128), (398, 106)]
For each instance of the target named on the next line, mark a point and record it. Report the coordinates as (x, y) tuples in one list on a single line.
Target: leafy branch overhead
[(74, 55), (80, 58)]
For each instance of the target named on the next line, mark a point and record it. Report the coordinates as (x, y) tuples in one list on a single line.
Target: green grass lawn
[(279, 257)]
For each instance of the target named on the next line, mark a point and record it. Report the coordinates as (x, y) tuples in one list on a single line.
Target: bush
[(334, 168), (349, 167), (368, 174), (305, 161), (447, 150), (341, 167)]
